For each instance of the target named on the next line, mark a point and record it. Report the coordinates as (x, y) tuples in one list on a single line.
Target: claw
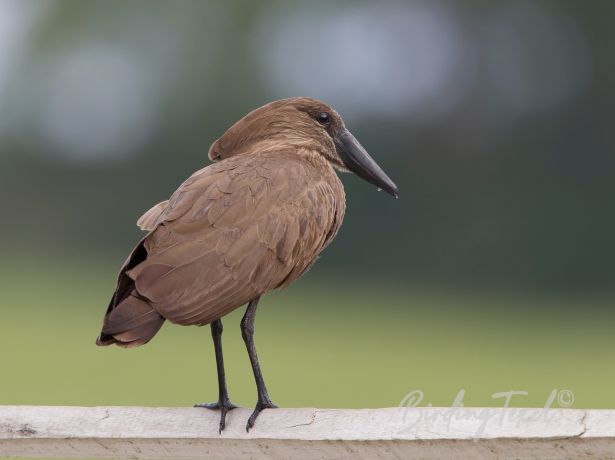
[(224, 407)]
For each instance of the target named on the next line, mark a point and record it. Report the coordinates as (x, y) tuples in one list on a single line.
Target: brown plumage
[(253, 221)]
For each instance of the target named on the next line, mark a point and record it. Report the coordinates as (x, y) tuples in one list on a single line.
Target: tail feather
[(130, 320), (131, 323)]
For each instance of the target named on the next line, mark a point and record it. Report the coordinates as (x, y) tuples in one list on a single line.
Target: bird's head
[(301, 122)]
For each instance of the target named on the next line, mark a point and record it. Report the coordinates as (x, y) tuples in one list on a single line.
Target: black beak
[(356, 158)]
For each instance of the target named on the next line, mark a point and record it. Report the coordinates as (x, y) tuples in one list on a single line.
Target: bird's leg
[(224, 404), (247, 332)]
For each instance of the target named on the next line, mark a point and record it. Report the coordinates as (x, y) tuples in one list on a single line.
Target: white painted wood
[(311, 434)]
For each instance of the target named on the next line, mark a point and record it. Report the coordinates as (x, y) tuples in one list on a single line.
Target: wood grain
[(393, 433)]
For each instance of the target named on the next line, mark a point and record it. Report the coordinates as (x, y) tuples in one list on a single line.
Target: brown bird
[(253, 221)]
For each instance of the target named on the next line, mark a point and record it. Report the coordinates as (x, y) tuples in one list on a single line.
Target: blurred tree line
[(105, 107)]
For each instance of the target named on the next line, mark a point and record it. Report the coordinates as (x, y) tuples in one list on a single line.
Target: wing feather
[(149, 220), (234, 230)]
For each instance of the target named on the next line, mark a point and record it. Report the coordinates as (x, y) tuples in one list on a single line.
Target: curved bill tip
[(356, 158)]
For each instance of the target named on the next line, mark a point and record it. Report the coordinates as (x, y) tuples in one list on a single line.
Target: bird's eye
[(323, 118)]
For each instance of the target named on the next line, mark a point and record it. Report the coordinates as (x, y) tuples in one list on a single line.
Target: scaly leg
[(247, 332), (224, 404)]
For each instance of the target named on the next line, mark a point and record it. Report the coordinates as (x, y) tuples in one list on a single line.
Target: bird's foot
[(265, 403), (224, 405)]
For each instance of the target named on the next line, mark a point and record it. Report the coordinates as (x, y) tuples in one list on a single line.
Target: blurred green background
[(493, 271)]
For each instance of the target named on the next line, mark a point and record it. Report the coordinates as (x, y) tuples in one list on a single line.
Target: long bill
[(356, 158)]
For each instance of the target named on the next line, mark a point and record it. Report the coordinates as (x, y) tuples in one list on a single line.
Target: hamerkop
[(253, 221)]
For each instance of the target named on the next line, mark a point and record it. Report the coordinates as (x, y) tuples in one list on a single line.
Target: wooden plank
[(394, 433)]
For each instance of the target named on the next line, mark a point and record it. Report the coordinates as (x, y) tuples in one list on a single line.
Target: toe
[(222, 421), (213, 405), (217, 405), (260, 406)]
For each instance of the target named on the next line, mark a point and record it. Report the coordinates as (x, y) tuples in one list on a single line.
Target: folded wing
[(231, 232)]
